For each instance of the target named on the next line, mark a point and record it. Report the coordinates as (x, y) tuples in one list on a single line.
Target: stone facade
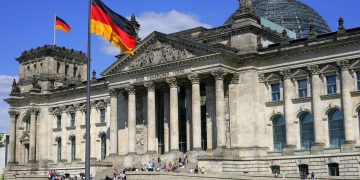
[(233, 98)]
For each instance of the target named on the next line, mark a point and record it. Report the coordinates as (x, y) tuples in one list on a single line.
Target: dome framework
[(291, 14)]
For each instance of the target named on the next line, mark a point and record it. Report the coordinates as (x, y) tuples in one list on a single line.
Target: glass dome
[(291, 14)]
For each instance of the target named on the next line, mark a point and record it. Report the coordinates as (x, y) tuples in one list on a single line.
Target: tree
[(2, 140)]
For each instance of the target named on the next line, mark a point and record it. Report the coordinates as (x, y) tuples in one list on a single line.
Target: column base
[(197, 149), (151, 152), (12, 163), (131, 153), (219, 151)]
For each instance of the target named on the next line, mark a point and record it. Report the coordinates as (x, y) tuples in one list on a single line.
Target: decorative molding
[(13, 114), (150, 85), (286, 73), (262, 77), (218, 74), (275, 103), (52, 51), (344, 65), (33, 110), (71, 128), (131, 89), (113, 92), (172, 82), (313, 69), (330, 96), (159, 53), (194, 78), (102, 124), (301, 100), (235, 78)]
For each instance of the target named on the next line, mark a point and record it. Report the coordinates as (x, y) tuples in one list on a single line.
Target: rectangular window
[(58, 121), (275, 92), (302, 88), (72, 119), (102, 115), (331, 84), (358, 80)]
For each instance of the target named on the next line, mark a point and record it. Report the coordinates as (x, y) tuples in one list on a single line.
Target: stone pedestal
[(317, 148)]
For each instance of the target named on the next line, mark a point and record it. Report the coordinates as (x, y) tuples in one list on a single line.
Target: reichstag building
[(273, 89)]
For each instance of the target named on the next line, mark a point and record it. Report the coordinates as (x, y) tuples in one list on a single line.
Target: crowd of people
[(53, 175), (158, 166)]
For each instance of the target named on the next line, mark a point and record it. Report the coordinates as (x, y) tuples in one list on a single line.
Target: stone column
[(166, 120), (196, 111), (33, 114), (316, 87), (220, 114), (131, 119), (210, 114), (113, 122), (346, 83), (12, 150), (233, 104), (174, 114), (151, 114), (288, 109)]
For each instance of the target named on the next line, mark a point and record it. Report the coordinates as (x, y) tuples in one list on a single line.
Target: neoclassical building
[(241, 98)]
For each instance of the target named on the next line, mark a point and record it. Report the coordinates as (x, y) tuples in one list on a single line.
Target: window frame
[(334, 86), (339, 140), (58, 120), (299, 89), (102, 116), (72, 119), (103, 147), (302, 132), (277, 93), (59, 149), (73, 149), (279, 145)]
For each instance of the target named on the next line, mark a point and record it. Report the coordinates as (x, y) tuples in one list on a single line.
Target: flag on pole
[(61, 25), (113, 27)]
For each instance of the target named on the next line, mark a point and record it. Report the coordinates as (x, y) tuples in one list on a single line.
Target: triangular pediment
[(356, 65), (155, 50), (273, 77), (329, 69), (300, 73)]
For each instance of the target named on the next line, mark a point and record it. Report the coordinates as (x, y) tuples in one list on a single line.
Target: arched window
[(59, 150), (307, 130), (73, 149), (336, 128), (279, 133), (103, 146), (75, 71)]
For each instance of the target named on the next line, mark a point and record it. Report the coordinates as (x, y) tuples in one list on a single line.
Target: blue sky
[(28, 24)]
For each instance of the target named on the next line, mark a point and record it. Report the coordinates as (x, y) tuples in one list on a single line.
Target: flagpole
[(54, 30), (87, 148)]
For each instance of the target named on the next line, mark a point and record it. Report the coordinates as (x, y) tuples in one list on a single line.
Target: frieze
[(159, 53), (161, 75)]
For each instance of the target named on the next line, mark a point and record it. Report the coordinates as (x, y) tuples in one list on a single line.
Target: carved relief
[(159, 53), (13, 113), (344, 65), (113, 92), (172, 82), (218, 74), (234, 79), (314, 69), (140, 141), (150, 85)]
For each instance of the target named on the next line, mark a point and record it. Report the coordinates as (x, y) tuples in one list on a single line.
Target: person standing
[(312, 175)]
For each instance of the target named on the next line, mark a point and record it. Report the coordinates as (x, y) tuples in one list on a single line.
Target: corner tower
[(50, 67)]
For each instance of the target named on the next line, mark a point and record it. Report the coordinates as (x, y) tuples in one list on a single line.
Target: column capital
[(113, 92), (218, 74), (313, 69), (150, 85), (344, 65), (234, 78), (172, 82), (194, 78), (286, 73), (33, 110), (13, 113), (131, 89)]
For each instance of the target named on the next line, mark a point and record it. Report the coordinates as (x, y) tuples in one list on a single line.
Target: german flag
[(113, 27), (61, 25)]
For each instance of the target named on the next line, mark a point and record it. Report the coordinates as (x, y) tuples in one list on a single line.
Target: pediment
[(300, 73), (329, 69), (155, 50), (272, 77), (355, 65)]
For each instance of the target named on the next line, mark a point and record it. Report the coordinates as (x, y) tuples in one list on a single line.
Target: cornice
[(52, 51)]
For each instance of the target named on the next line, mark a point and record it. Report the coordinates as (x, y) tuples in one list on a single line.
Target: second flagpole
[(54, 30)]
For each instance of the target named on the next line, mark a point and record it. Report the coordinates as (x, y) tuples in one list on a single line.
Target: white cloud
[(165, 22), (5, 88)]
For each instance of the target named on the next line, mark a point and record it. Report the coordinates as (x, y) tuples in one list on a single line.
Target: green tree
[(2, 140)]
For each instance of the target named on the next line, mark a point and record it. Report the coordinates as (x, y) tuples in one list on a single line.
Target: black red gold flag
[(61, 25), (113, 27)]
